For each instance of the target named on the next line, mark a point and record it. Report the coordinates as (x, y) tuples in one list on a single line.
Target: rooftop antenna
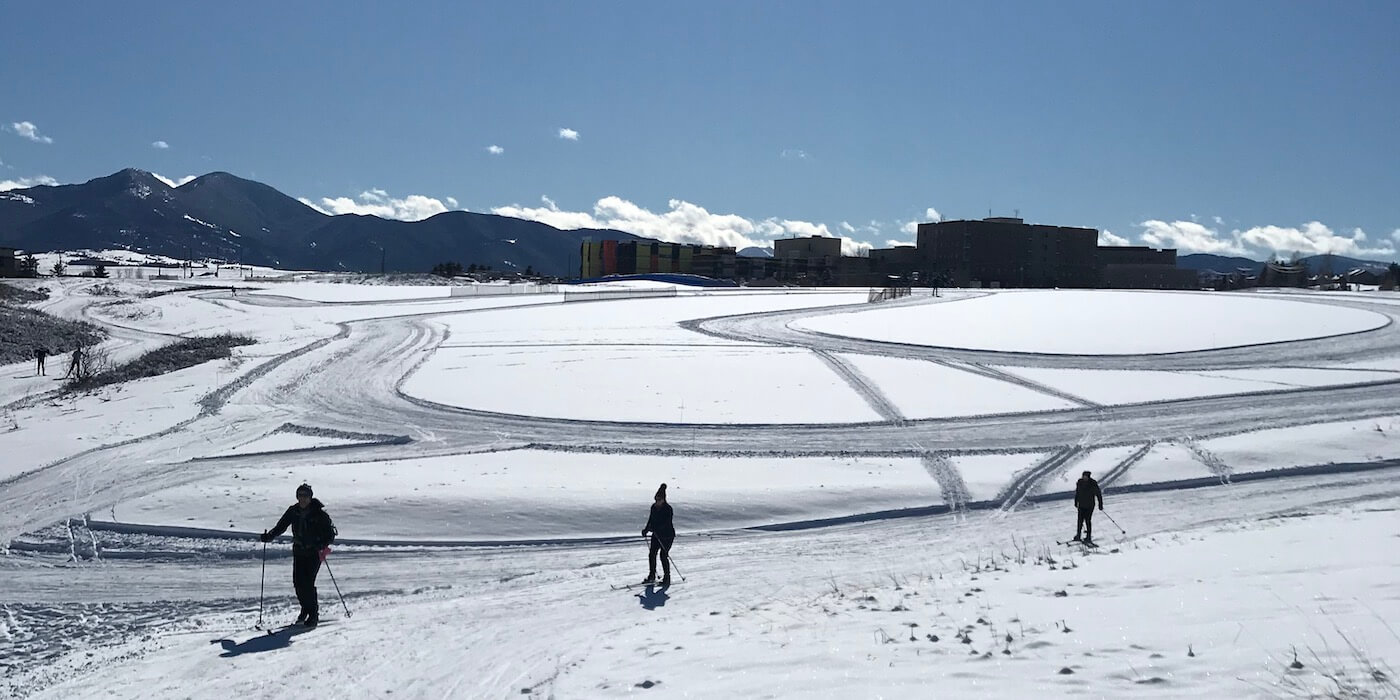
[(1018, 213)]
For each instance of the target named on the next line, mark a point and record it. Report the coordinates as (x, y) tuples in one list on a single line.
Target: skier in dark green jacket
[(312, 534)]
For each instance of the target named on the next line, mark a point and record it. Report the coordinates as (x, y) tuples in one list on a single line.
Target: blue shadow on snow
[(653, 597), (276, 639)]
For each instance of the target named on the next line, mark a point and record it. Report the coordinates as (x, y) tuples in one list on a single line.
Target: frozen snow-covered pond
[(1083, 322)]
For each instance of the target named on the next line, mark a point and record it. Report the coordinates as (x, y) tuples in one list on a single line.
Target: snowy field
[(857, 518), (1101, 322)]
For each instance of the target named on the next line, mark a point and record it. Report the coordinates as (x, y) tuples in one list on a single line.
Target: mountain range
[(1316, 264), (226, 217)]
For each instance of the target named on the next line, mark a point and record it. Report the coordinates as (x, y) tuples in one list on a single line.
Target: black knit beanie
[(661, 492)]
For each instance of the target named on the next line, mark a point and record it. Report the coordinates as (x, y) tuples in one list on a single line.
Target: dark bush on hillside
[(18, 295), (22, 331), (176, 356)]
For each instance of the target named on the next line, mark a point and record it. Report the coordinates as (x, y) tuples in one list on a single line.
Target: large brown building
[(1008, 252), (810, 260), (1140, 267), (601, 258)]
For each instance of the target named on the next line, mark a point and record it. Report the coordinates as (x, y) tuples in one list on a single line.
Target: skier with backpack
[(312, 534), (1086, 491), (663, 533)]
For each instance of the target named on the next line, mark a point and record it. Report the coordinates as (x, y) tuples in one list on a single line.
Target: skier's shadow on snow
[(653, 597), (279, 639)]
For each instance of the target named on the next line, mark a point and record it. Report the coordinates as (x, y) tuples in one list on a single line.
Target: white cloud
[(1107, 238), (160, 145), (895, 244), (495, 150), (794, 154), (25, 182), (805, 228), (931, 216), (173, 183), (568, 134), (1395, 234), (1312, 238), (851, 229), (682, 223), (851, 246), (377, 202), (1218, 221), (29, 131), (1189, 237)]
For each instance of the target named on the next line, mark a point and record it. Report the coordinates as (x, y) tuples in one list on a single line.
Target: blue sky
[(1229, 127)]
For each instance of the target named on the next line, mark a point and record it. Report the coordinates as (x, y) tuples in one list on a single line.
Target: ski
[(643, 584), (272, 631), (1090, 545)]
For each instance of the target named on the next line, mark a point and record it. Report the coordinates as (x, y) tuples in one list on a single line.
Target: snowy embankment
[(1211, 599)]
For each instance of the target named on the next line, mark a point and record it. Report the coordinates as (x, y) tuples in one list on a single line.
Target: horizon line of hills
[(223, 216)]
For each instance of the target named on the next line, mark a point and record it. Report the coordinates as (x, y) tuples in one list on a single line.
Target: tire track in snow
[(1213, 462), (1023, 484), (862, 385), (1022, 382), (950, 481), (1122, 467)]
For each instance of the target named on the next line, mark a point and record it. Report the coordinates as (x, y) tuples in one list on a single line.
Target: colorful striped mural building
[(601, 258)]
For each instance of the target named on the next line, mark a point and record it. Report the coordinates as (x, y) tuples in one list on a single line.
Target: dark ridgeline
[(225, 217)]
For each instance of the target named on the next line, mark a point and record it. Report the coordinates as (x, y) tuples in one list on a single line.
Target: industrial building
[(602, 258)]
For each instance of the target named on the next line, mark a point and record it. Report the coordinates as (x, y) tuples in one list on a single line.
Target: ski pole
[(667, 553), (1115, 522), (262, 581), (337, 589)]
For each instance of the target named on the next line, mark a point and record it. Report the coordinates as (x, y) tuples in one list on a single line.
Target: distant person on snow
[(1086, 491), (40, 353), (312, 534), (663, 533), (75, 367)]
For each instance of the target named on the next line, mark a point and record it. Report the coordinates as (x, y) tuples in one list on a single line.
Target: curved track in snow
[(777, 329), (351, 382)]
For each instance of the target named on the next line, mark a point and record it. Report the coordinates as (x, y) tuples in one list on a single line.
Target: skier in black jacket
[(663, 533), (1086, 491), (312, 534)]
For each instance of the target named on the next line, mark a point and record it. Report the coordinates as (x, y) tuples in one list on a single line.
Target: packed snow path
[(1206, 597)]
